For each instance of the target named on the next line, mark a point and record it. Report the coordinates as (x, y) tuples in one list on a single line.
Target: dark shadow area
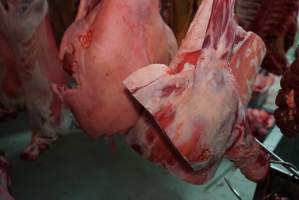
[(14, 126), (288, 149), (77, 168)]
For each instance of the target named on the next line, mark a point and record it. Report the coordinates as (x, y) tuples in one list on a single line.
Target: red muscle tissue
[(199, 101)]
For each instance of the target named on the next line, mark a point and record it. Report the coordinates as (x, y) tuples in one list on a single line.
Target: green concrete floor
[(77, 168)]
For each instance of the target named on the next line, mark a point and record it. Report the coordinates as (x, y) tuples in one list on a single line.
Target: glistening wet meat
[(201, 118)]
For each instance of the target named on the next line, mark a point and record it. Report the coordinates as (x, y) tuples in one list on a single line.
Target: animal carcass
[(26, 28), (109, 40), (198, 103), (276, 22)]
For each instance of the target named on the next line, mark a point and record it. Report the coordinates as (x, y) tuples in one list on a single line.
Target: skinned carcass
[(275, 21), (26, 28), (199, 102), (109, 40)]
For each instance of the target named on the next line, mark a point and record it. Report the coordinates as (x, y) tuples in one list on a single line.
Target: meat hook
[(290, 167), (234, 191), (283, 163)]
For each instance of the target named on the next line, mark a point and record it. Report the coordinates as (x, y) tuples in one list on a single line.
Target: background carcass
[(34, 65), (276, 22), (109, 40)]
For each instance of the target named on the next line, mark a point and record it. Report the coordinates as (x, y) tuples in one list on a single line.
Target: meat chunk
[(109, 40), (276, 22), (263, 82), (199, 101), (26, 28), (260, 122)]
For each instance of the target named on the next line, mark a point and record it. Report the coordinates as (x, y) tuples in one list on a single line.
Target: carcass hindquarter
[(199, 102), (101, 48), (27, 29), (275, 21)]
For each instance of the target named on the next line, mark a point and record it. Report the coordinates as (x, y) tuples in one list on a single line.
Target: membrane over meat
[(199, 102)]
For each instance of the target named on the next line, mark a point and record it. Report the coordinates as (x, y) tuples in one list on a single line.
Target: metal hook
[(234, 191), (283, 163), (290, 167)]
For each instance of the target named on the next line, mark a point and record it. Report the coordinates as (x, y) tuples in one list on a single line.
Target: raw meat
[(276, 22), (260, 122), (287, 113), (108, 41), (5, 180), (263, 82), (199, 102), (178, 15), (26, 27), (261, 88)]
